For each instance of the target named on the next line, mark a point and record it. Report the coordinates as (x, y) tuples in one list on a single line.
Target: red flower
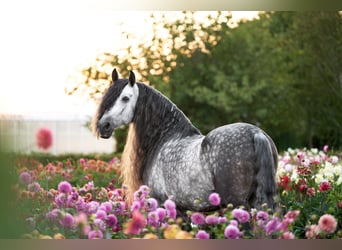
[(44, 138), (134, 225), (284, 182), (324, 186)]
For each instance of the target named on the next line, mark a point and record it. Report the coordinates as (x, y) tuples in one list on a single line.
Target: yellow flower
[(171, 231), (183, 235), (151, 236), (59, 236), (44, 237)]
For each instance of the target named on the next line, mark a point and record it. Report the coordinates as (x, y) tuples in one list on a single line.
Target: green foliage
[(281, 72)]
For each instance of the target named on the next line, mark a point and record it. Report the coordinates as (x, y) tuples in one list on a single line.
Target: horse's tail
[(266, 166)]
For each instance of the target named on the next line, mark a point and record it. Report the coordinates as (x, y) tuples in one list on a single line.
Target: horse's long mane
[(156, 120)]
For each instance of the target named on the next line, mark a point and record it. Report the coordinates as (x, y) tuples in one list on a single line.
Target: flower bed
[(85, 199)]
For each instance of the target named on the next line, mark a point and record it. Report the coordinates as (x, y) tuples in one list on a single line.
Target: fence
[(70, 134)]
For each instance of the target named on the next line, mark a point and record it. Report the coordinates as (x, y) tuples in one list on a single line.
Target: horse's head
[(117, 106)]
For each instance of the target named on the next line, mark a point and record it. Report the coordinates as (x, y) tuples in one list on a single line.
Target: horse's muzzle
[(105, 129)]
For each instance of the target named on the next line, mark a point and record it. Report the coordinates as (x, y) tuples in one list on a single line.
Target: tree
[(281, 72)]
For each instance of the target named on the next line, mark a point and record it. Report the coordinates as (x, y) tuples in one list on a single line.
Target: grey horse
[(166, 152)]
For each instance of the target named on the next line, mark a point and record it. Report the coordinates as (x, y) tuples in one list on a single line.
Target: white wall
[(70, 134)]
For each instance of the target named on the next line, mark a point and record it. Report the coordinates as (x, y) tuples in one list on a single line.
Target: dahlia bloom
[(327, 223), (44, 138)]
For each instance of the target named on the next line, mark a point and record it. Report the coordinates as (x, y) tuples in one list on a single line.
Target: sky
[(42, 45)]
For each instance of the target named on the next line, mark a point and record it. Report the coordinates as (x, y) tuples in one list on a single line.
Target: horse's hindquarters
[(229, 152)]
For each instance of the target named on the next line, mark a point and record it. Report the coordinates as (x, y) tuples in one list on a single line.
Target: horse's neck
[(158, 119)]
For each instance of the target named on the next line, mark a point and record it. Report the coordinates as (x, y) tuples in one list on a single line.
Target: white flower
[(319, 178), (334, 159), (314, 150), (288, 168)]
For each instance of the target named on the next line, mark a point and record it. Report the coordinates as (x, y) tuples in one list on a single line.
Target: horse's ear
[(131, 78), (115, 75)]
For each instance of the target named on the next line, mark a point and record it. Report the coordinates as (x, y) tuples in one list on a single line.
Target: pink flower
[(222, 220), (203, 235), (135, 206), (211, 219), (287, 236), (44, 138), (327, 223), (101, 214), (106, 206), (272, 225), (231, 232), (324, 186), (292, 215), (197, 218), (171, 213), (214, 199), (312, 231), (169, 205), (64, 187), (161, 212), (153, 219), (310, 191), (262, 216), (95, 234), (325, 148), (136, 224), (25, 178), (241, 215)]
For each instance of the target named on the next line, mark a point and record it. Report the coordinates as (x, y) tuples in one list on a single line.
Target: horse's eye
[(125, 99)]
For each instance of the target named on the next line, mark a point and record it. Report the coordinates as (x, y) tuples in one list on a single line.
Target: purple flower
[(171, 213), (106, 206), (263, 216), (151, 204), (25, 178), (203, 235), (161, 212), (67, 220), (99, 224), (119, 207), (112, 220), (135, 206), (61, 200), (169, 205), (53, 215), (153, 219), (101, 214), (214, 199), (95, 234), (222, 220), (231, 232), (34, 187), (272, 225), (234, 223), (92, 206), (241, 215), (211, 219), (64, 187), (197, 218)]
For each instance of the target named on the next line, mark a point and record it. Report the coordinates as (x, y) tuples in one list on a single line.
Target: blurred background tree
[(282, 72)]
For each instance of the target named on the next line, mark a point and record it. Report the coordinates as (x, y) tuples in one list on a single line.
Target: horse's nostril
[(106, 126)]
